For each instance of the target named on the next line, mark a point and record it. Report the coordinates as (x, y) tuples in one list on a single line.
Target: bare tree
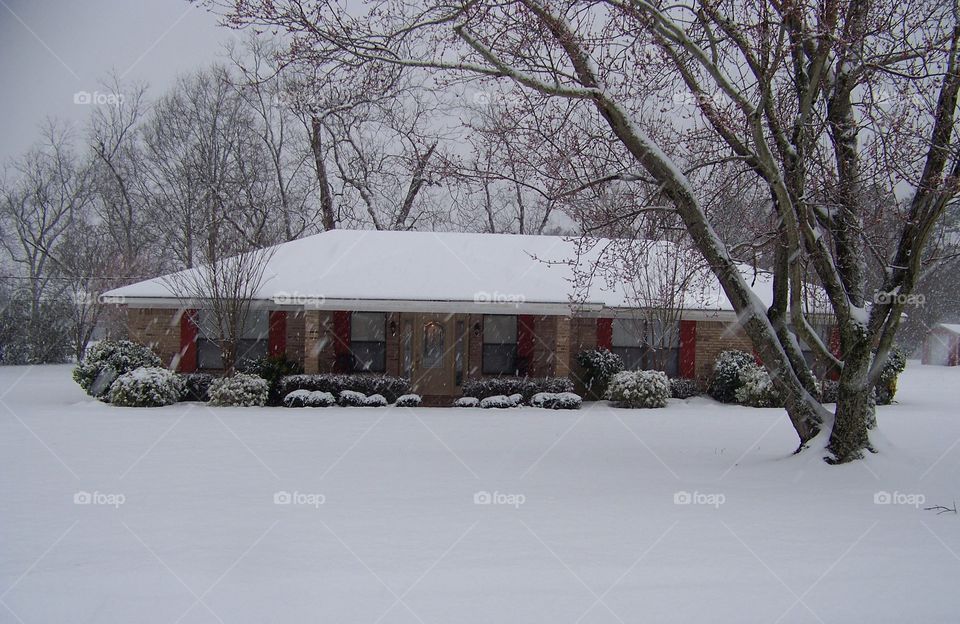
[(784, 93)]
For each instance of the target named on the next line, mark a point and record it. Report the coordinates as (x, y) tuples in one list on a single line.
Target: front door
[(433, 355)]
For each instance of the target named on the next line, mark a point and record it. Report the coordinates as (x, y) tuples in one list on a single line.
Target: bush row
[(391, 388), (526, 387)]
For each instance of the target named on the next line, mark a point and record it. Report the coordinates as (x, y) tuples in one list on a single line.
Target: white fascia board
[(449, 306)]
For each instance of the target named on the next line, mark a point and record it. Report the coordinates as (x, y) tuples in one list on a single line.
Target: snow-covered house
[(440, 308), (942, 345)]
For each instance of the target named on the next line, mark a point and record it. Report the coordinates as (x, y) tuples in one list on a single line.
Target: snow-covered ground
[(585, 521)]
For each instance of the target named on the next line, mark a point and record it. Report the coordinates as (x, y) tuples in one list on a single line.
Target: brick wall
[(157, 328), (295, 335), (714, 337)]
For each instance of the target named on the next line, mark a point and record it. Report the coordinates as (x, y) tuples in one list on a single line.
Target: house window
[(824, 332), (368, 341), (647, 344), (253, 342), (499, 345)]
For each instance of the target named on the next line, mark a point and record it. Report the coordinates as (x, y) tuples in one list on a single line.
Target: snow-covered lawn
[(382, 524)]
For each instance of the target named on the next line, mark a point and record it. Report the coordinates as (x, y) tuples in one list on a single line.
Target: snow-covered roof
[(953, 328), (434, 271)]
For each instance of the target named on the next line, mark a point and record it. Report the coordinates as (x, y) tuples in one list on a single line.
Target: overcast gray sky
[(52, 49)]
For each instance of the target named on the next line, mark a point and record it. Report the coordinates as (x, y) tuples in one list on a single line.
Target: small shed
[(942, 346)]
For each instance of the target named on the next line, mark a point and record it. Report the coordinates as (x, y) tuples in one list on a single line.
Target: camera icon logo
[(282, 498), (682, 498), (482, 498), (82, 97), (882, 498), (82, 498)]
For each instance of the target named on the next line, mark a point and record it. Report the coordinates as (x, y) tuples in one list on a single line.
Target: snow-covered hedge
[(146, 387), (241, 390), (273, 368), (408, 400), (756, 388), (365, 383), (524, 386), (598, 365), (109, 359), (887, 385), (516, 399), (683, 388), (306, 398), (645, 388), (467, 402), (496, 401), (726, 374), (561, 400), (350, 398), (196, 386), (375, 400)]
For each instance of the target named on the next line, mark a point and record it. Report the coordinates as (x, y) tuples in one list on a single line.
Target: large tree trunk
[(854, 415)]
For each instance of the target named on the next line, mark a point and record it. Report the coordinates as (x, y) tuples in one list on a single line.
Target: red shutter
[(341, 341), (525, 335), (277, 345), (688, 349), (188, 342), (604, 333)]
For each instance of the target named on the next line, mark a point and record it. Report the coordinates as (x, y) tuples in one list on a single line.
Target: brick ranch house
[(437, 308)]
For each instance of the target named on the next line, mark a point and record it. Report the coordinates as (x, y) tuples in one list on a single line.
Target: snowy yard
[(181, 523)]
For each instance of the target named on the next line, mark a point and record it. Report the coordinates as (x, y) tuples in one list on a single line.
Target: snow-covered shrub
[(408, 400), (273, 368), (887, 385), (756, 388), (560, 400), (726, 374), (497, 401), (467, 402), (599, 365), (524, 386), (349, 398), (829, 389), (683, 388), (375, 400), (241, 390), (645, 388), (107, 360), (319, 398), (196, 386), (365, 383), (297, 398), (516, 399), (146, 387)]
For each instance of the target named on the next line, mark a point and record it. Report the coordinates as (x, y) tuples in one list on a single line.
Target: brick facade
[(714, 337), (159, 329)]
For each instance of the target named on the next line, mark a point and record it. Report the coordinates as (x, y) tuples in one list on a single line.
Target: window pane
[(632, 357), (499, 359), (257, 326), (433, 345), (368, 326), (369, 356), (666, 360), (208, 354), (627, 332), (498, 329), (663, 334)]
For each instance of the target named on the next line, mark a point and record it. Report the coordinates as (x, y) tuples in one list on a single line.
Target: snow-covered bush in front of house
[(375, 400), (146, 387), (319, 398), (598, 365), (556, 400), (273, 368), (886, 387), (365, 383), (496, 402), (756, 388), (726, 374), (467, 402), (524, 386), (516, 399), (645, 388), (683, 388), (350, 398), (196, 386), (109, 359), (297, 398), (241, 390), (408, 400)]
